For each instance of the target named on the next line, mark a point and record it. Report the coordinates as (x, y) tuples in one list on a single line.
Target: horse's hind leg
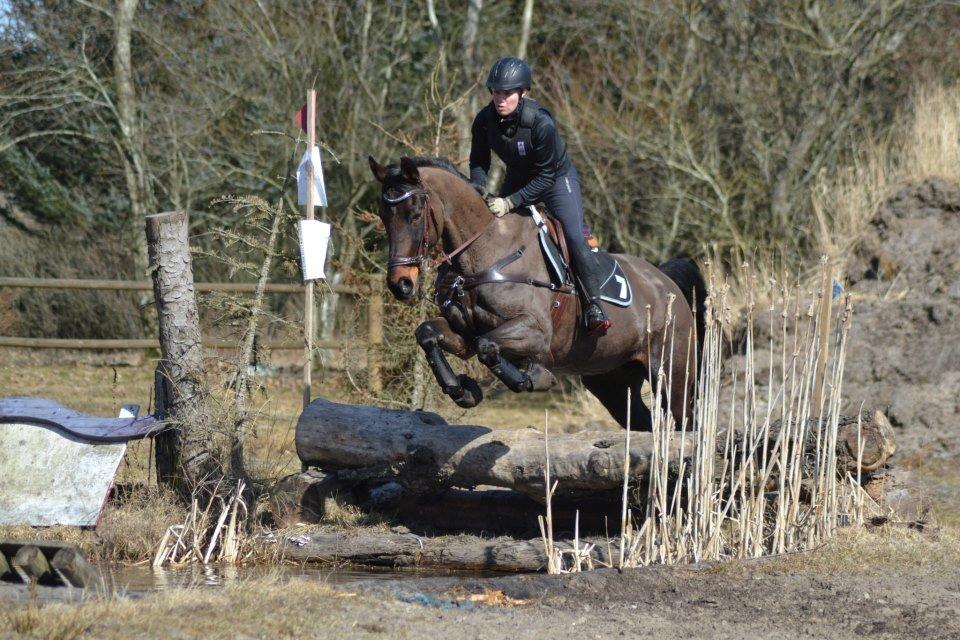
[(434, 335), (611, 390)]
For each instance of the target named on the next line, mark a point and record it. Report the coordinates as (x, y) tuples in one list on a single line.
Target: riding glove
[(499, 206)]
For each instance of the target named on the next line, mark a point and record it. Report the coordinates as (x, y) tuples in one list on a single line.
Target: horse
[(498, 302)]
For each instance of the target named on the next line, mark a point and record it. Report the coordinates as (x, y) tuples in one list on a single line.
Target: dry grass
[(767, 492), (925, 144), (263, 607)]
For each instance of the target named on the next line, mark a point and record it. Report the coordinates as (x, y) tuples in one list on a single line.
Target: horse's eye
[(415, 215)]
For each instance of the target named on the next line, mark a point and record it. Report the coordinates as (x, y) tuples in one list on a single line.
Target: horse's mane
[(393, 171)]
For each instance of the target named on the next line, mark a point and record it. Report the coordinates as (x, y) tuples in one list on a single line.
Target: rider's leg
[(565, 204)]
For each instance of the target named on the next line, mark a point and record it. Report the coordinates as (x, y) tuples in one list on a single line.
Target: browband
[(401, 197)]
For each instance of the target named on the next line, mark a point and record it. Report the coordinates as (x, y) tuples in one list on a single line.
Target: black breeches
[(564, 203)]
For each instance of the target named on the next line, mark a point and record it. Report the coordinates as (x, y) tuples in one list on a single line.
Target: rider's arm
[(479, 154), (545, 139)]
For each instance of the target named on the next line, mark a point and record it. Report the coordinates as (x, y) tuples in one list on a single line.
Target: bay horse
[(498, 303)]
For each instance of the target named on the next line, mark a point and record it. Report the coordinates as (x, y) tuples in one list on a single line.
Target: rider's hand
[(499, 206)]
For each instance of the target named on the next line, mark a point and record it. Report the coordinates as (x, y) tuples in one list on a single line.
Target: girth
[(494, 275)]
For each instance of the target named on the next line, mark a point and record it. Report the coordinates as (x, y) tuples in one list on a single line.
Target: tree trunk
[(132, 154), (423, 454), (468, 59), (184, 458)]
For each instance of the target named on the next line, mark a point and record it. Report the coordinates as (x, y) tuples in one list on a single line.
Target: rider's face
[(505, 102)]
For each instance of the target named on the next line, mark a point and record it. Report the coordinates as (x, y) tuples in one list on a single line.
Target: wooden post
[(74, 569), (32, 562), (183, 456), (308, 214), (375, 338), (826, 304)]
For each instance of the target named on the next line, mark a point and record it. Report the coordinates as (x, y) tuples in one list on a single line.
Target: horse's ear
[(379, 170), (409, 170)]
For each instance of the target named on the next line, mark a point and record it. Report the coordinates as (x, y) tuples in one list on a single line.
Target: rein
[(462, 283)]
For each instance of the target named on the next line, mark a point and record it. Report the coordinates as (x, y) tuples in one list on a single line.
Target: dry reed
[(762, 475), (214, 533)]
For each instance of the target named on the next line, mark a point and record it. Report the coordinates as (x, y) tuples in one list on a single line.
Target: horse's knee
[(428, 335)]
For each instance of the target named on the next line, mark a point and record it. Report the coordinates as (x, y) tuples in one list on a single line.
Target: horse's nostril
[(405, 286)]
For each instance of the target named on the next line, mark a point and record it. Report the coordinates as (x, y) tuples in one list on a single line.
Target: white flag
[(314, 239), (311, 156)]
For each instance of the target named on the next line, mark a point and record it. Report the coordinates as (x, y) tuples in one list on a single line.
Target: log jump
[(423, 454)]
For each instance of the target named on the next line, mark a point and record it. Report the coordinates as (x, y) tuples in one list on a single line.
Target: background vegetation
[(699, 129)]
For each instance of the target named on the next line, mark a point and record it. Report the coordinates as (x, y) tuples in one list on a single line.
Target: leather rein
[(463, 282)]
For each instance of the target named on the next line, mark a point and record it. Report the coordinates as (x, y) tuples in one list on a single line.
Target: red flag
[(300, 118)]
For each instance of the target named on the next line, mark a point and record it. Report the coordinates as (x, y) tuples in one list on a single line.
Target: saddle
[(614, 288)]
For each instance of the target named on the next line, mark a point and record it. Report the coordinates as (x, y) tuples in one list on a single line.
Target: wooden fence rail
[(374, 320), (146, 285)]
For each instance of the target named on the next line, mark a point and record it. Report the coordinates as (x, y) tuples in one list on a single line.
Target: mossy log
[(423, 454)]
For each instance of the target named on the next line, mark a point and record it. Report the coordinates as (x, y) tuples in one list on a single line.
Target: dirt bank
[(904, 352)]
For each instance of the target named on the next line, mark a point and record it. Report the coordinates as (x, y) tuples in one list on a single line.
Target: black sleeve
[(544, 138), (479, 153)]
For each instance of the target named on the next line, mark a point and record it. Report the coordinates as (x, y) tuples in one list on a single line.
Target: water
[(144, 579)]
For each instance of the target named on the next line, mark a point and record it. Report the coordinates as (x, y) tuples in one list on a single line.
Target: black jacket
[(528, 143)]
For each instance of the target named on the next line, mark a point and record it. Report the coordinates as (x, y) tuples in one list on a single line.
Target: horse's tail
[(687, 276)]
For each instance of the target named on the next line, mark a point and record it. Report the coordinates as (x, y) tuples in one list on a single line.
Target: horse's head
[(408, 219)]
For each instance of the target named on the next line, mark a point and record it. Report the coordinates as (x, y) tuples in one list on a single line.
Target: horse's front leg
[(435, 337), (523, 339)]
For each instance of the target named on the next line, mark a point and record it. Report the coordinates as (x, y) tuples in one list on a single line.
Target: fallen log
[(422, 454), (388, 549), (314, 496)]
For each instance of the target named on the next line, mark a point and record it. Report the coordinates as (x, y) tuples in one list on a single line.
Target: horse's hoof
[(540, 379), (472, 394)]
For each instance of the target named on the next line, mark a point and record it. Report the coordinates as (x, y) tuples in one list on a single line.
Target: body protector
[(528, 143)]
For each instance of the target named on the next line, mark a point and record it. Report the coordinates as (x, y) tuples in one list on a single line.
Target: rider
[(524, 135)]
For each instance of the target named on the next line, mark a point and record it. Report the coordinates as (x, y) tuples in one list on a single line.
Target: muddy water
[(139, 581), (143, 579)]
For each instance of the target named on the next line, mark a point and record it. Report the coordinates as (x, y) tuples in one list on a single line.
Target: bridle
[(426, 213), (420, 257)]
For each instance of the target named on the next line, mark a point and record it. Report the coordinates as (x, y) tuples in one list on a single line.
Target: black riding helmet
[(509, 73)]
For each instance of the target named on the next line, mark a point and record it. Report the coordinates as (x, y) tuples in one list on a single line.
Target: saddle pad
[(615, 288)]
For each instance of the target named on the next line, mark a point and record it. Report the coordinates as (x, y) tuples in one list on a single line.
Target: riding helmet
[(509, 73)]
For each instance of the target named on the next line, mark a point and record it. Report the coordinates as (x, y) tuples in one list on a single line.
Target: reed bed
[(762, 476), (216, 532)]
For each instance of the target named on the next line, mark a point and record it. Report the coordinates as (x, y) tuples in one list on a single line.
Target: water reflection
[(133, 579)]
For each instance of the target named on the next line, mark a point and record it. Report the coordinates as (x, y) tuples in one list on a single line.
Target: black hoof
[(472, 395), (540, 379)]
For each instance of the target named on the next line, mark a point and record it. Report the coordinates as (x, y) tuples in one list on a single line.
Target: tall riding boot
[(594, 318)]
